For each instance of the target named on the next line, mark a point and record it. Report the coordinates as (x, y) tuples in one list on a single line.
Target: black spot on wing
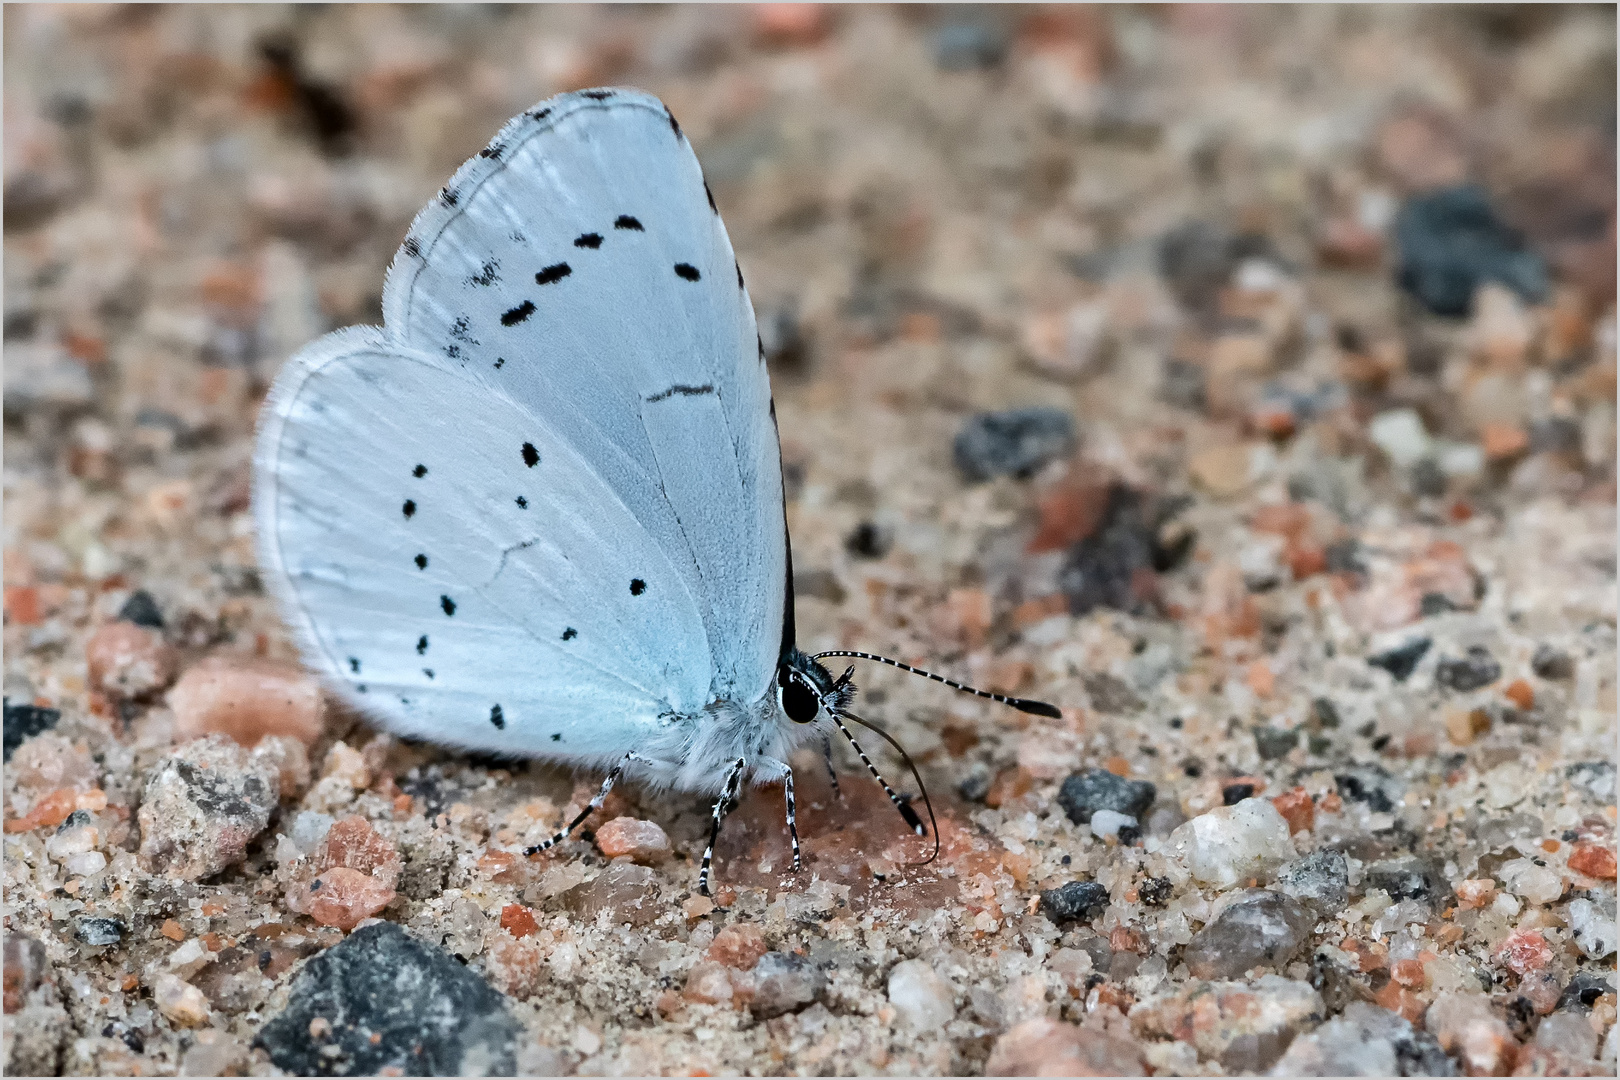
[(488, 274), (421, 562), (448, 605), (531, 456), (354, 665), (493, 150), (596, 95), (540, 114), (740, 284), (556, 736), (513, 316), (522, 503), (625, 221), (500, 362), (684, 391), (588, 240), (409, 508), (497, 717), (710, 195), (688, 271), (421, 645), (553, 273), (637, 586), (570, 634), (428, 672), (674, 125), (419, 472), (448, 197), (411, 247)]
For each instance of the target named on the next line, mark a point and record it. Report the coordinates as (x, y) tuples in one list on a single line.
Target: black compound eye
[(799, 701)]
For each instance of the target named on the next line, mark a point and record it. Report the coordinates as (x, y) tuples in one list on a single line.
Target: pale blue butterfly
[(539, 511)]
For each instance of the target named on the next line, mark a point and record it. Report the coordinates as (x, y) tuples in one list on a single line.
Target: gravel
[(1176, 232)]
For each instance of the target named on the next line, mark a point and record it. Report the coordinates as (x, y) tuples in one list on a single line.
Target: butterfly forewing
[(540, 510), (582, 269)]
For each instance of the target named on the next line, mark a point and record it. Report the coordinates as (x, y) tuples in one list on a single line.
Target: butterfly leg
[(767, 769), (900, 804), (832, 773), (722, 806), (594, 805)]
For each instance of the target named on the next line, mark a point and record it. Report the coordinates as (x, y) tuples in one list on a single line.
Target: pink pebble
[(129, 661), (247, 699), (643, 841)]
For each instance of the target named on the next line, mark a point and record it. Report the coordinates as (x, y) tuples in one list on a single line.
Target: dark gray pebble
[(142, 610), (24, 722), (393, 1003), (1012, 443), (1076, 900), (1478, 668), (1402, 660), (1084, 793), (100, 931), (1451, 242), (1552, 663), (1407, 878)]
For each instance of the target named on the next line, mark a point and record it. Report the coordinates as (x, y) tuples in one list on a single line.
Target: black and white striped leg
[(722, 806), (832, 773), (793, 819), (594, 805), (899, 804)]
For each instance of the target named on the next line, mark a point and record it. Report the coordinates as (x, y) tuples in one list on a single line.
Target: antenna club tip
[(1037, 708)]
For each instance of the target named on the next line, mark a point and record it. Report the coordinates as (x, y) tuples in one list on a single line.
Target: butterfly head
[(805, 689)]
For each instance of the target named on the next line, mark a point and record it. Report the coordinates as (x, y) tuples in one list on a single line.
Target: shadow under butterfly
[(539, 512)]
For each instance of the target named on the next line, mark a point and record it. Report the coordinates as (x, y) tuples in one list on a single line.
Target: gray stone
[(1365, 1041), (1597, 777), (392, 1003), (100, 931), (1370, 784), (1076, 900), (1476, 669), (1402, 660), (24, 722), (1274, 743), (203, 804), (1451, 242), (142, 610), (1262, 928), (1320, 881), (1012, 443), (785, 983), (1551, 662), (1084, 793), (1407, 878)]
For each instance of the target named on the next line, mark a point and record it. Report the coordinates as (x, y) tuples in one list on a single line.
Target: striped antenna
[(1038, 708)]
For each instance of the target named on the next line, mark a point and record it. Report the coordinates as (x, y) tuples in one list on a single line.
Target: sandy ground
[(1185, 229)]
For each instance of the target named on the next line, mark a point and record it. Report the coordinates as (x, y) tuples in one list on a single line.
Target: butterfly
[(539, 511)]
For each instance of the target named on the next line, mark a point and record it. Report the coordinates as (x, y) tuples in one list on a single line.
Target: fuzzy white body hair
[(696, 752)]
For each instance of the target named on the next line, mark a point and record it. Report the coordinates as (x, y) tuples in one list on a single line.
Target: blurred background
[(1363, 254)]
